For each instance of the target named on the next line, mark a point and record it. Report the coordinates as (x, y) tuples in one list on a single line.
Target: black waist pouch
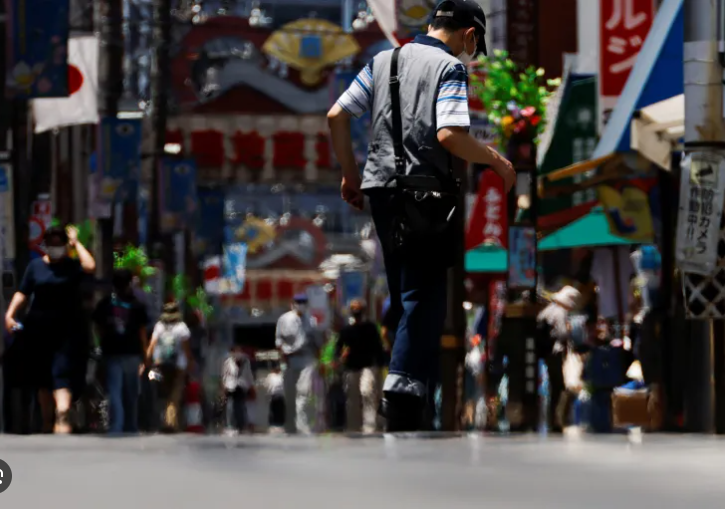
[(423, 219)]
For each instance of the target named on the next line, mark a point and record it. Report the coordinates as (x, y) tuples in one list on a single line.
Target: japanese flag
[(81, 106)]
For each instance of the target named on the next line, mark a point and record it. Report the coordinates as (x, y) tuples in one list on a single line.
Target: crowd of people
[(136, 376)]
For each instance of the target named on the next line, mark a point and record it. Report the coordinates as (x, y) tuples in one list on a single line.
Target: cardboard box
[(630, 409)]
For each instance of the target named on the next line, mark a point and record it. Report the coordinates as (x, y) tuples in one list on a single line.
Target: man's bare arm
[(460, 143), (339, 122)]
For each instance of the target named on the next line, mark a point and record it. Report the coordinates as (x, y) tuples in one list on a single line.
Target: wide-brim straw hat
[(569, 297), (171, 313)]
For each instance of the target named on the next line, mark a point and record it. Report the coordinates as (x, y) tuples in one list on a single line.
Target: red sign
[(624, 28), (489, 221)]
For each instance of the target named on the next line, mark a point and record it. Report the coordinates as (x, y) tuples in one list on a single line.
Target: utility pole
[(453, 348), (704, 133), (160, 71), (110, 90)]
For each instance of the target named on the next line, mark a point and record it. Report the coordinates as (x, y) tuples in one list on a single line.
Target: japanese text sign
[(522, 19), (489, 219), (701, 203), (624, 25)]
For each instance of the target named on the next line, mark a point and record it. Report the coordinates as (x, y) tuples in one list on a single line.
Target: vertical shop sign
[(698, 222), (489, 221), (522, 257), (177, 193), (7, 232), (521, 31), (624, 25)]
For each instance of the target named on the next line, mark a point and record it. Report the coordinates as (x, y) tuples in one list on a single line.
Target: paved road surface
[(190, 472)]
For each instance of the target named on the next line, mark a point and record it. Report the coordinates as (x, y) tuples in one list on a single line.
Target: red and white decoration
[(81, 106), (488, 223), (212, 268), (273, 289), (256, 144), (624, 25)]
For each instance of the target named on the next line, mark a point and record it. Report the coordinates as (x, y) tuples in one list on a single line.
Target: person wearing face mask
[(120, 321), (55, 324), (418, 99), (299, 347), (359, 350)]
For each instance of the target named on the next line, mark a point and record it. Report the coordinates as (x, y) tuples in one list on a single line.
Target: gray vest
[(420, 70)]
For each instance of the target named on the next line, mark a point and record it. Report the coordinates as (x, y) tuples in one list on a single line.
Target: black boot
[(402, 412)]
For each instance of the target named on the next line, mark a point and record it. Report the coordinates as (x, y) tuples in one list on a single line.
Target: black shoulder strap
[(397, 115)]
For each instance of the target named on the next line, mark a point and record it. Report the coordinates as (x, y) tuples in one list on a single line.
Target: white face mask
[(56, 252), (465, 57)]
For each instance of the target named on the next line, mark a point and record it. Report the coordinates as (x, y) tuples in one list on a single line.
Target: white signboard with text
[(701, 203)]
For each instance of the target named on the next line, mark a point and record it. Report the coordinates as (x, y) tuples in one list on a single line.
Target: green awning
[(487, 259), (591, 230)]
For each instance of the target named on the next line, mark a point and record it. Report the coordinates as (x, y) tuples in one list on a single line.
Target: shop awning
[(591, 230), (487, 259), (656, 76), (657, 129)]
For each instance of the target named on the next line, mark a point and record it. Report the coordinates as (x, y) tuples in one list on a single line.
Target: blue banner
[(522, 257), (120, 159), (37, 52), (351, 286), (210, 222), (234, 266), (178, 197)]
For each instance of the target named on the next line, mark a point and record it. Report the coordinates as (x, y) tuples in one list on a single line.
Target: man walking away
[(359, 349), (299, 345), (418, 100), (120, 321)]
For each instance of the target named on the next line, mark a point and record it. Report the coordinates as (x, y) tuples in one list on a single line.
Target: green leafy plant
[(136, 260), (199, 301), (514, 98)]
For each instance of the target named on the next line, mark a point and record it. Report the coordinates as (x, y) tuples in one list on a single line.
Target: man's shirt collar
[(432, 41)]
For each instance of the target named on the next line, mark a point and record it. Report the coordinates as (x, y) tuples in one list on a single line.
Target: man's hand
[(505, 170), (351, 193), (72, 232)]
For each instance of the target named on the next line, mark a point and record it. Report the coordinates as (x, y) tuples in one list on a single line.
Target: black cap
[(468, 13)]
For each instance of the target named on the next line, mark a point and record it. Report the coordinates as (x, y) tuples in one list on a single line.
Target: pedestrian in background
[(120, 321), (238, 382), (418, 99), (54, 327), (359, 350), (274, 385), (171, 355), (299, 345)]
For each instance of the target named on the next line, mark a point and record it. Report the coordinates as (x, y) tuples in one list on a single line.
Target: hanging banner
[(351, 285), (624, 25), (119, 158), (319, 307), (209, 235), (37, 38), (177, 193), (699, 219), (234, 267), (489, 220), (522, 258), (143, 206)]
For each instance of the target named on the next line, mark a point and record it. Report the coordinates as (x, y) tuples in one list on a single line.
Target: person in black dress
[(54, 327)]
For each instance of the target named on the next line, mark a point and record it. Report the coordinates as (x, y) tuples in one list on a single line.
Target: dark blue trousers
[(418, 305)]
